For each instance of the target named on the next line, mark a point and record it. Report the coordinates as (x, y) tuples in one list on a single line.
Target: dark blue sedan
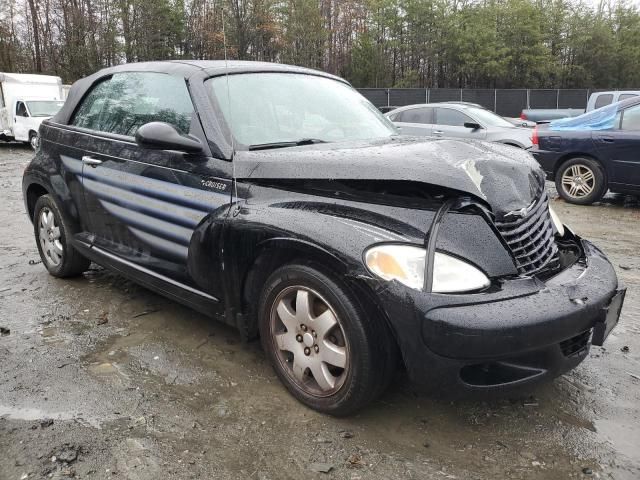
[(592, 153)]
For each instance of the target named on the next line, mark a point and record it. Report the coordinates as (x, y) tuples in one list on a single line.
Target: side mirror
[(472, 125), (162, 136)]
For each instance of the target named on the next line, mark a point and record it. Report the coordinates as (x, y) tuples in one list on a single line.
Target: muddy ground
[(100, 378)]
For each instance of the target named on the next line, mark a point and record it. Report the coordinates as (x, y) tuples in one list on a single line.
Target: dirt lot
[(100, 378)]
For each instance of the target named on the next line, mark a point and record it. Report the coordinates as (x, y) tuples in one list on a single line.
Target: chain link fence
[(506, 102)]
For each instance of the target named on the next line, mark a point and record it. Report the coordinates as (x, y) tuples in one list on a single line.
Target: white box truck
[(25, 101)]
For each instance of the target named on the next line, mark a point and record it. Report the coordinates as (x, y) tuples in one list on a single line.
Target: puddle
[(48, 332), (109, 369), (103, 369), (36, 415)]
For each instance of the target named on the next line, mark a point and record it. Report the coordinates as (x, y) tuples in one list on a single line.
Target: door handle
[(438, 132), (607, 139), (94, 162)]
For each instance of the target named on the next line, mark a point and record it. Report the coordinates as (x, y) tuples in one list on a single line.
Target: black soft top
[(190, 70)]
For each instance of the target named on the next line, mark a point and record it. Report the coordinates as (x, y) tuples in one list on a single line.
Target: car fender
[(35, 183)]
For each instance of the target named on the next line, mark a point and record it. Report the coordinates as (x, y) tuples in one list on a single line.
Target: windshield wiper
[(296, 143)]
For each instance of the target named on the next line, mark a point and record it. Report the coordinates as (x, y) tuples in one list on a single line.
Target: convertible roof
[(212, 67), (189, 69)]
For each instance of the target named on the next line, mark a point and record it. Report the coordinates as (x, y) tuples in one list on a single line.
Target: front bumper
[(522, 333)]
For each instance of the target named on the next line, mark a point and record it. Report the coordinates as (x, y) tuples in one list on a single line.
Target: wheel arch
[(275, 252), (32, 193), (511, 143)]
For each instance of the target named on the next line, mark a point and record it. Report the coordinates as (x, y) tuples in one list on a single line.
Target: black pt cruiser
[(281, 201)]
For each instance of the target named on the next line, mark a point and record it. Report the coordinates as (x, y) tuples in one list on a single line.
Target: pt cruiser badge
[(347, 249)]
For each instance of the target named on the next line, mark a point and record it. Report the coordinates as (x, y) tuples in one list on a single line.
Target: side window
[(631, 119), (416, 115), (453, 118), (88, 115), (21, 110), (603, 100), (625, 96), (127, 101)]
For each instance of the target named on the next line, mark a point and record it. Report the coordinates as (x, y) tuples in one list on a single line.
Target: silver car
[(458, 120)]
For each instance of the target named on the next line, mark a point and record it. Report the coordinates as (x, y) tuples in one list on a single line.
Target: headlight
[(406, 264), (557, 223)]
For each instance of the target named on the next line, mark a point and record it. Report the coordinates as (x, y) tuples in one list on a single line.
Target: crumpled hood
[(505, 177)]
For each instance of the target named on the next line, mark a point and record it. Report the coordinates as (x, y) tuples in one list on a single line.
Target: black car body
[(205, 220), (600, 151)]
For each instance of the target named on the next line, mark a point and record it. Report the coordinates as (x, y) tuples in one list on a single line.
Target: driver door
[(621, 147), (21, 122), (450, 123), (144, 205)]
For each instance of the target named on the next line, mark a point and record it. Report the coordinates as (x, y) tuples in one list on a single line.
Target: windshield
[(44, 108), (489, 118), (274, 108)]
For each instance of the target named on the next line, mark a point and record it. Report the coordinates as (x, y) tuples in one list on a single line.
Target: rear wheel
[(53, 238), (581, 181), (324, 348)]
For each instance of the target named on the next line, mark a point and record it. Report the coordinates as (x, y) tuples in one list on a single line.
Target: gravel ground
[(101, 378)]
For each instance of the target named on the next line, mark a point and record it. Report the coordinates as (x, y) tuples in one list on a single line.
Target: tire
[(53, 238), (33, 140), (355, 357), (581, 181)]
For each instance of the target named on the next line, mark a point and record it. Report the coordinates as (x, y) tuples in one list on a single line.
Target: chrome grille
[(531, 239)]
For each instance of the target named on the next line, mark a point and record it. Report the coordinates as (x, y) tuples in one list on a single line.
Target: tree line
[(372, 43)]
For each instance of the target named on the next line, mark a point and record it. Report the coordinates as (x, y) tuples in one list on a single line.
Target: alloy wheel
[(578, 181), (49, 236), (309, 340)]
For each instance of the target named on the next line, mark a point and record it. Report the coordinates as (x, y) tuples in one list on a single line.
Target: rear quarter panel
[(47, 171), (565, 145)]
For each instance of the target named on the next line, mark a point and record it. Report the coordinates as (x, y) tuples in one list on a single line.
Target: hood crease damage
[(504, 177)]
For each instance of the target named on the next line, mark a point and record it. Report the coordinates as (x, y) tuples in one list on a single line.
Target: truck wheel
[(581, 181), (327, 351), (34, 140), (53, 238)]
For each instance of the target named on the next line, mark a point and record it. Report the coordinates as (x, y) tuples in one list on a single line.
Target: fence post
[(528, 98), (388, 104), (557, 98), (495, 100)]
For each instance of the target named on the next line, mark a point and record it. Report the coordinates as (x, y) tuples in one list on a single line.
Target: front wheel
[(34, 140), (581, 181), (327, 351), (53, 238)]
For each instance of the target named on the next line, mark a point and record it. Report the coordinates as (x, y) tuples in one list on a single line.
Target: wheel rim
[(49, 236), (34, 141), (309, 341), (578, 181)]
